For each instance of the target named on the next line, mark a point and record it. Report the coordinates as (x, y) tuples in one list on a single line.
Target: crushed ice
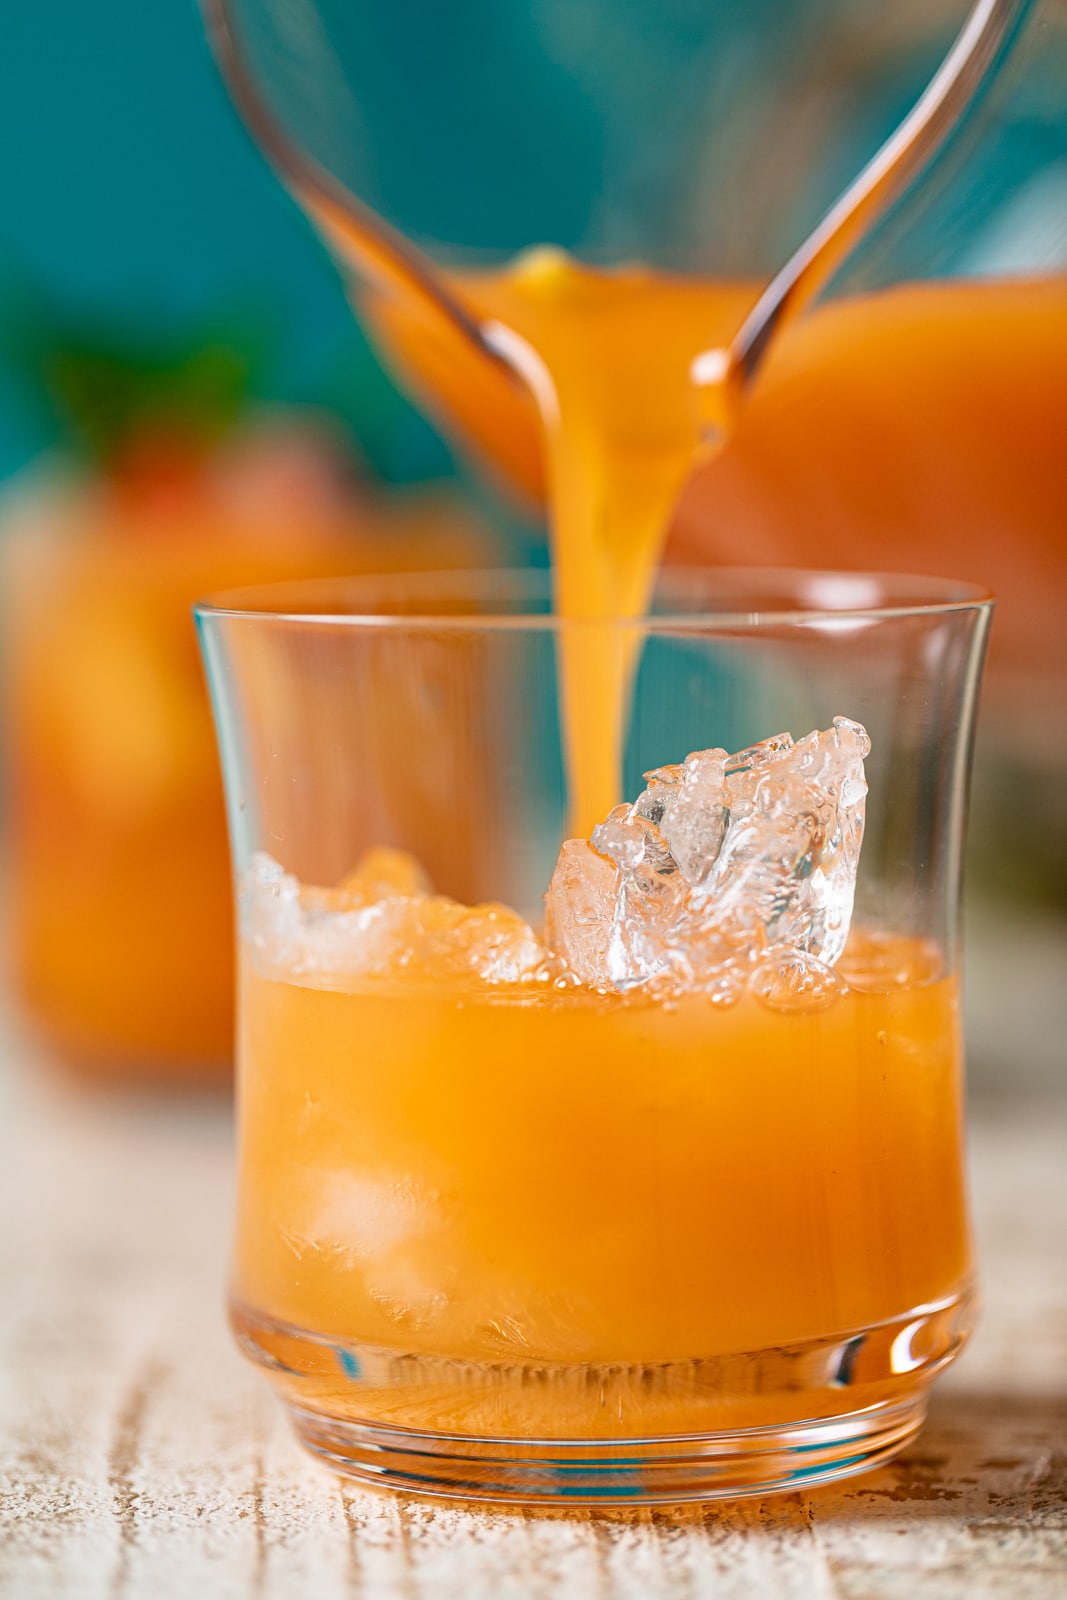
[(380, 922), (727, 872)]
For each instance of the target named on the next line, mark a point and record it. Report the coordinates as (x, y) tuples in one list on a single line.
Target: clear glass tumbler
[(654, 1193)]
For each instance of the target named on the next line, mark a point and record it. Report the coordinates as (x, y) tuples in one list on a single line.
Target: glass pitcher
[(705, 140)]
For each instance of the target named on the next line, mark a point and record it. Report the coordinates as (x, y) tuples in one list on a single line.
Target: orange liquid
[(639, 1184), (604, 360), (921, 430)]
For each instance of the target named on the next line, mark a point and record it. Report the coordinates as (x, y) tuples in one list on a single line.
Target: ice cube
[(759, 756), (490, 942), (612, 902), (580, 911), (383, 1228), (331, 937), (792, 840), (270, 908), (367, 1214), (686, 803), (722, 863), (650, 897), (383, 872)]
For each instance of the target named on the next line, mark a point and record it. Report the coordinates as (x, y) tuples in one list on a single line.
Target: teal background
[(132, 200)]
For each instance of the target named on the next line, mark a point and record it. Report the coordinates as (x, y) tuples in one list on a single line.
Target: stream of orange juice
[(603, 364)]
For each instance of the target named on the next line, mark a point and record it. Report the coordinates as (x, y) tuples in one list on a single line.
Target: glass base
[(749, 1423), (752, 1461)]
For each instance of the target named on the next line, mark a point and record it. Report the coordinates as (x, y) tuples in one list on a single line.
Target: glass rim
[(734, 597)]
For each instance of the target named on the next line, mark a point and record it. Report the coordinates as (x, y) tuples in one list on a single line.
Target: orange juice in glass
[(629, 1168)]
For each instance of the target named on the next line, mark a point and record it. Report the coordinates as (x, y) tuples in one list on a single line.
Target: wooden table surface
[(139, 1457)]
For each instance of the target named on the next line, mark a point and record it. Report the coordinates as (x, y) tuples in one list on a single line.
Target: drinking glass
[(511, 1232)]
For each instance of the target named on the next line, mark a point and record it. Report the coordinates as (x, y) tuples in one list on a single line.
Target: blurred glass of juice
[(120, 929)]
